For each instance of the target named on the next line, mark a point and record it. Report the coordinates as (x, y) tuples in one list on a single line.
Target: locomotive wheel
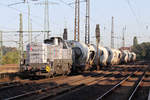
[(48, 76), (69, 69)]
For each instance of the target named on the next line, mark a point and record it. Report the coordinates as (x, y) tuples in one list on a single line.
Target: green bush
[(142, 50), (11, 57)]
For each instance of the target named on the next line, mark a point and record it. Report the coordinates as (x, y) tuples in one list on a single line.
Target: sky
[(134, 14)]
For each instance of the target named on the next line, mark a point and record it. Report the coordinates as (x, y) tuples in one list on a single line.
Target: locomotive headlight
[(48, 69)]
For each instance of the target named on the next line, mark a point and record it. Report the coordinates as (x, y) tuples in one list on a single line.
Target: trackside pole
[(97, 31)]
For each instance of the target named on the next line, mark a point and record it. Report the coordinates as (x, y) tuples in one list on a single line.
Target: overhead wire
[(82, 12), (133, 12), (20, 11), (9, 6), (15, 3), (136, 18)]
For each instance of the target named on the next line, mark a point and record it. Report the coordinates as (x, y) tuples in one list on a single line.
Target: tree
[(142, 50), (135, 41), (11, 58)]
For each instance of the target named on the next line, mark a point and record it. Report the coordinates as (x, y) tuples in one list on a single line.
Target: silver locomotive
[(53, 56)]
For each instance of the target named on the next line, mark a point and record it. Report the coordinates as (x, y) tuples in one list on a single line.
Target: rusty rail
[(6, 75), (50, 88), (137, 86), (114, 87)]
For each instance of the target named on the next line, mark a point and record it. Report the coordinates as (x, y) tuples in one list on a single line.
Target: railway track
[(12, 84), (64, 85), (90, 91), (6, 75), (113, 92), (46, 93), (69, 85), (7, 85)]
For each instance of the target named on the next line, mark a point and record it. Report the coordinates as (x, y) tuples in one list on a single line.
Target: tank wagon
[(53, 56), (119, 56), (132, 57), (83, 55), (115, 57), (125, 57), (102, 56)]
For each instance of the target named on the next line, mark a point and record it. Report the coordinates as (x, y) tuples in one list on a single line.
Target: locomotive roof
[(56, 37), (52, 38)]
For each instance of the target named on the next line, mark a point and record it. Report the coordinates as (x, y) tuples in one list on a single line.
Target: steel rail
[(137, 86), (75, 88), (11, 86), (54, 87), (7, 83), (4, 75), (118, 84), (72, 88)]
